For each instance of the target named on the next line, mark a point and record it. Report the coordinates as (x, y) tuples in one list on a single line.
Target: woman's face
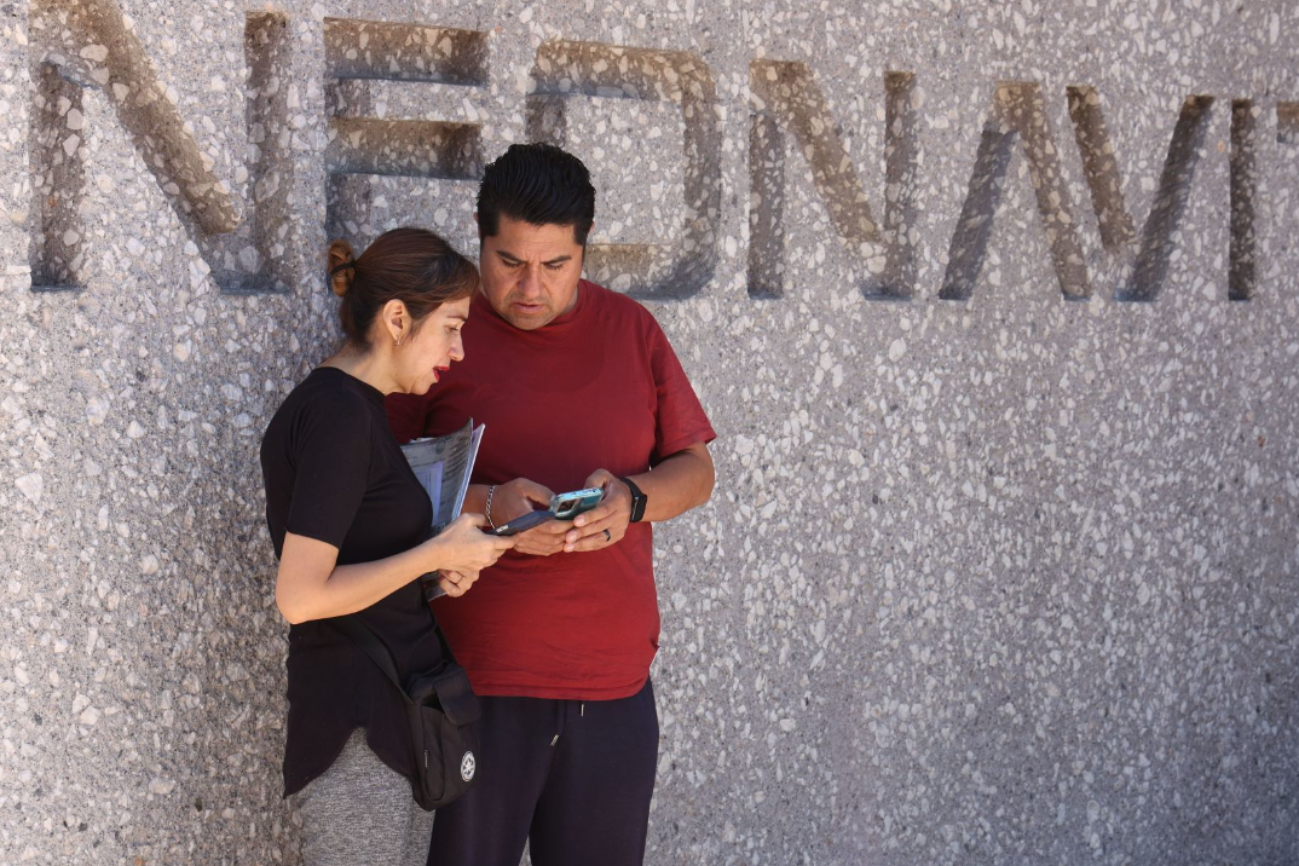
[(429, 351)]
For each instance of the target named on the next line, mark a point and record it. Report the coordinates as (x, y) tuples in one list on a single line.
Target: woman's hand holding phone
[(464, 548)]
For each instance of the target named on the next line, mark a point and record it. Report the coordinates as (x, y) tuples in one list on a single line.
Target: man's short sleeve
[(680, 420), (331, 459)]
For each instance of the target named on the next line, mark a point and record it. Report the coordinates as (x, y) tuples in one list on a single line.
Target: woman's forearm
[(310, 584)]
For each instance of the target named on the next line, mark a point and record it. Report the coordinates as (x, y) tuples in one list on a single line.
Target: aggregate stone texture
[(994, 307)]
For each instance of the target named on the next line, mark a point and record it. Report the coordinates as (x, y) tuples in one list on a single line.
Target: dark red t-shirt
[(597, 388)]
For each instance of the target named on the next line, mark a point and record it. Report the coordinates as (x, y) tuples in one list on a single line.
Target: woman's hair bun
[(342, 267), (410, 265)]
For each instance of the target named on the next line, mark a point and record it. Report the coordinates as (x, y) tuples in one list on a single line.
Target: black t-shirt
[(334, 472)]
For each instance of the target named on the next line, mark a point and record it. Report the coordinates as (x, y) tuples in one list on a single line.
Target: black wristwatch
[(638, 500)]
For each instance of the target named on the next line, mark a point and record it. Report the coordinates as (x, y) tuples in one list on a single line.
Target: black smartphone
[(522, 523)]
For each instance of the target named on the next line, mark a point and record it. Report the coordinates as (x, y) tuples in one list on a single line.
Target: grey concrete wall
[(993, 304)]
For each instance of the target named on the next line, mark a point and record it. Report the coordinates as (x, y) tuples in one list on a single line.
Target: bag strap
[(432, 591), (369, 642)]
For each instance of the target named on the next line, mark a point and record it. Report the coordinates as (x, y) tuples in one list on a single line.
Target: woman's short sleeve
[(330, 452)]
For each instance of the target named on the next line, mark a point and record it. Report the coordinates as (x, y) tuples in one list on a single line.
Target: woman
[(349, 520)]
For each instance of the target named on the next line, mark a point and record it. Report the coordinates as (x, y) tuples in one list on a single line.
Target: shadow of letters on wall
[(243, 238)]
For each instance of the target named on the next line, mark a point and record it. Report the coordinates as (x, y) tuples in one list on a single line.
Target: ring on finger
[(608, 536)]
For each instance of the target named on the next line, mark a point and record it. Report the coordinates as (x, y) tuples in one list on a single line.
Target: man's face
[(530, 273)]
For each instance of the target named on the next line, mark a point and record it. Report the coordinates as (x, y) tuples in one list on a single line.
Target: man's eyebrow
[(510, 258)]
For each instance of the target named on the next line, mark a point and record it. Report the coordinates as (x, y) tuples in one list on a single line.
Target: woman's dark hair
[(539, 184), (413, 266)]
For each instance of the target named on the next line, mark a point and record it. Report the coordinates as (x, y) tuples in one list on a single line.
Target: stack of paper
[(443, 465)]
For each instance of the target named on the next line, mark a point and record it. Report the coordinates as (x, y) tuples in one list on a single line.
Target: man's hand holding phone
[(604, 525), (516, 498), (544, 531)]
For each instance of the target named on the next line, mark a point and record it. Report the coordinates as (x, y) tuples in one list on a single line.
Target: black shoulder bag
[(443, 714)]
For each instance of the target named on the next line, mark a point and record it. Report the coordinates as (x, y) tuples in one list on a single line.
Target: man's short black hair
[(539, 184)]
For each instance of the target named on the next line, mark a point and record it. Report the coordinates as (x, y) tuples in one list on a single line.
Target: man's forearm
[(678, 484)]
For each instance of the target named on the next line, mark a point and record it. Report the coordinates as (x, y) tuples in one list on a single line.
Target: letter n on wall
[(94, 47), (785, 96)]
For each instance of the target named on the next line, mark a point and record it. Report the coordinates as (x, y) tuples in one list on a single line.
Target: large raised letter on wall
[(1146, 259), (1018, 115), (393, 156), (785, 96), (564, 69), (93, 46)]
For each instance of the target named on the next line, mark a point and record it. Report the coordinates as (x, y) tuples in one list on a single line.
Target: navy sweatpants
[(572, 778)]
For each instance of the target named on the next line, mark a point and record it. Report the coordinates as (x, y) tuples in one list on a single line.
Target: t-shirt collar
[(362, 387)]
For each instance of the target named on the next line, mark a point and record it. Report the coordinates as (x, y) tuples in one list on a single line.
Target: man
[(578, 388)]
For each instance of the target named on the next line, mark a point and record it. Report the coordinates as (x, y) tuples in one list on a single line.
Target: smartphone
[(563, 506), (522, 523), (566, 506)]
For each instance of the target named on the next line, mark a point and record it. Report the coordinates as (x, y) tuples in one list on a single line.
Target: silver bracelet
[(491, 488)]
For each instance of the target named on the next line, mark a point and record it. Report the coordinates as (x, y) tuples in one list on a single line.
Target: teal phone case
[(566, 506)]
